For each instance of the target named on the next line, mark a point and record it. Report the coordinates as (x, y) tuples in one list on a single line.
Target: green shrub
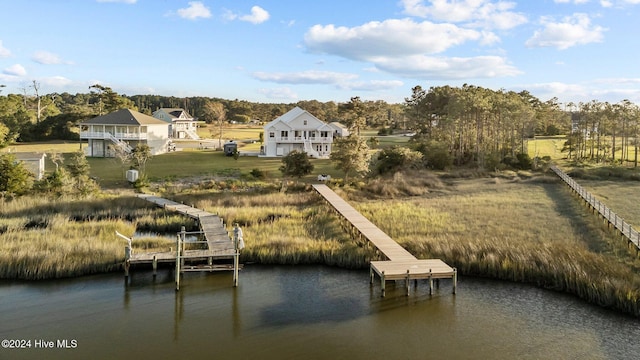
[(258, 174)]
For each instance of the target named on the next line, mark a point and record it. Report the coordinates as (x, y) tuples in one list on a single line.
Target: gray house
[(124, 129)]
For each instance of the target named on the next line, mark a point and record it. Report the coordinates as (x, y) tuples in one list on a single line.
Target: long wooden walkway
[(402, 265)]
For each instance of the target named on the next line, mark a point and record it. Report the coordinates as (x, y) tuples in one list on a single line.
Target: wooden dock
[(401, 264), (217, 243)]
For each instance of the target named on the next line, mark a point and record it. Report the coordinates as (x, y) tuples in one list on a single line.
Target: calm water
[(304, 313)]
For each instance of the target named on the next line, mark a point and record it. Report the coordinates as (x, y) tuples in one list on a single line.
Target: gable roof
[(29, 156), (290, 116), (176, 112), (125, 117), (338, 125)]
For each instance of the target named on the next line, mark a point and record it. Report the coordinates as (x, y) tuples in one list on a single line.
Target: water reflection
[(306, 312), (311, 298)]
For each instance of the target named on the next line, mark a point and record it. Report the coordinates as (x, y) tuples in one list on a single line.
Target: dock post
[(236, 261), (430, 283), (455, 280), (382, 281), (154, 264), (371, 274), (408, 282), (178, 247), (127, 261)]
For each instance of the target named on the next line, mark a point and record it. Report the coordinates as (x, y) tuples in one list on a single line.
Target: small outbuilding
[(34, 162), (230, 147)]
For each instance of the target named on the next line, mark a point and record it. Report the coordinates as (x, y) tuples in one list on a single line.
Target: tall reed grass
[(528, 232), (52, 238), (515, 228)]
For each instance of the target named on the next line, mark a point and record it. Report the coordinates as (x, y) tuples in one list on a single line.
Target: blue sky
[(290, 50)]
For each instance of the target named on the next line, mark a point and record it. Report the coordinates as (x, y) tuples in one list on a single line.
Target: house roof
[(176, 112), (125, 117), (338, 125), (28, 156), (290, 116)]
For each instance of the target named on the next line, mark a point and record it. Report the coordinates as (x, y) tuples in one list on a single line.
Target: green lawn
[(547, 146), (208, 163)]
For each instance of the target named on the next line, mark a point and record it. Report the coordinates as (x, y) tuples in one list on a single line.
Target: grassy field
[(622, 197), (61, 147), (204, 164), (547, 146)]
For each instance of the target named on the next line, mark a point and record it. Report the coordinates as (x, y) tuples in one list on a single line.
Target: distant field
[(237, 132), (547, 146), (61, 147)]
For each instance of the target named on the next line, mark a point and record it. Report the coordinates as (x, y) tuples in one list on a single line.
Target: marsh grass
[(533, 232), (518, 227), (71, 238), (286, 228), (622, 197)]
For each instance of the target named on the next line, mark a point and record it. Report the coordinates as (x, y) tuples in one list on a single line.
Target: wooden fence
[(625, 229)]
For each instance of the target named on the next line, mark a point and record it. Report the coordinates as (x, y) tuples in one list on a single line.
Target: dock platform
[(217, 244), (401, 264)]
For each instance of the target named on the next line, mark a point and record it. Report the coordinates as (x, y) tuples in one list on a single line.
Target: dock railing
[(611, 217)]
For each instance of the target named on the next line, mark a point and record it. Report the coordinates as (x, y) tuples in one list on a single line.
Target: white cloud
[(55, 81), (15, 70), (606, 3), (388, 38), (606, 89), (305, 77), (47, 58), (195, 10), (372, 85), (4, 52), (446, 68), (258, 15), (229, 15), (573, 30), (484, 13), (279, 93)]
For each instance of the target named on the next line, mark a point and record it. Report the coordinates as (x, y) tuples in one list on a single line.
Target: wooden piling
[(127, 260), (154, 265), (430, 282), (407, 282)]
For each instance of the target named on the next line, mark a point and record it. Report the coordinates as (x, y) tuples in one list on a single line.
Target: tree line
[(474, 125), (37, 117), (487, 127)]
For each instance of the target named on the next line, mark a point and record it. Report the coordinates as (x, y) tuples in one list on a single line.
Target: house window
[(272, 134), (284, 134), (305, 122), (324, 134)]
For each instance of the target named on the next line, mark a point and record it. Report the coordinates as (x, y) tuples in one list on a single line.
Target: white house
[(124, 129), (339, 129), (297, 130), (182, 125)]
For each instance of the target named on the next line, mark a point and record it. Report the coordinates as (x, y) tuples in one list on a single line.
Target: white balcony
[(106, 135)]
